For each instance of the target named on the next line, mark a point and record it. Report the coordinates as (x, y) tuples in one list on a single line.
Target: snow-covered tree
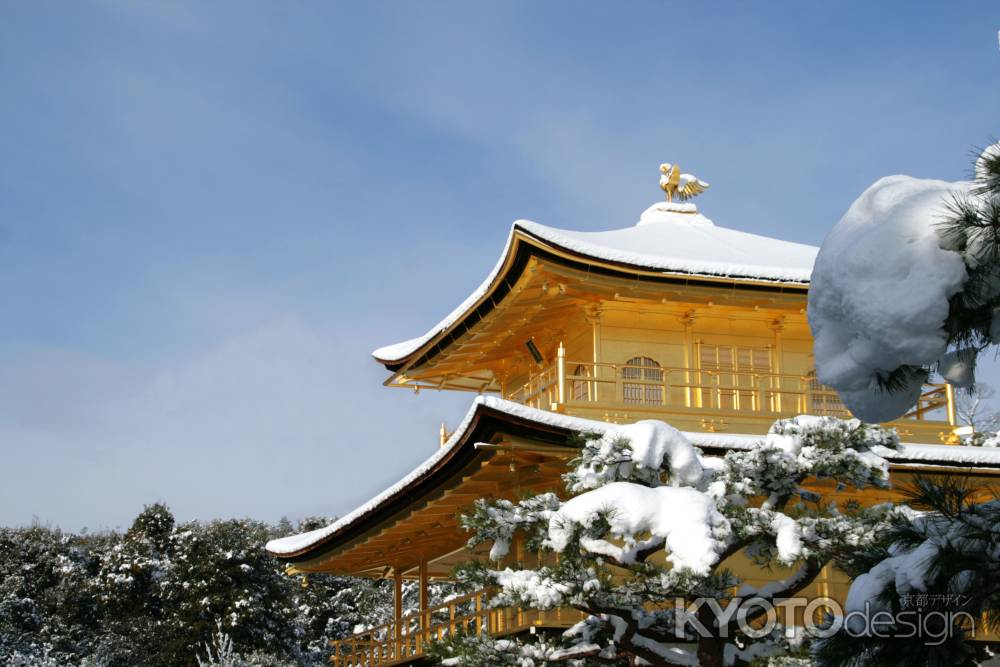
[(975, 407), (906, 284), (650, 520), (48, 611), (937, 571), (160, 592)]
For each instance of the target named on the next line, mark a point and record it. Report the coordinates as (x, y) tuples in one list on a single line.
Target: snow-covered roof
[(669, 238), (906, 454)]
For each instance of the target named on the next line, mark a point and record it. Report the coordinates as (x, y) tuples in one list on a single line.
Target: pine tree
[(878, 347), (128, 588), (973, 229), (941, 566), (47, 609), (970, 227), (159, 593), (651, 520)]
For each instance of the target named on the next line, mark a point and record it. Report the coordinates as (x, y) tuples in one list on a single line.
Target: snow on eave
[(296, 544), (398, 353), (677, 263), (907, 454), (949, 455)]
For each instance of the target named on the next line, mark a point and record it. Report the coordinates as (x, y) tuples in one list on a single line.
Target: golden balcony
[(716, 399)]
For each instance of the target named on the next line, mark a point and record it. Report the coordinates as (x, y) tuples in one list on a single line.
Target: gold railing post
[(949, 393), (700, 390), (561, 374)]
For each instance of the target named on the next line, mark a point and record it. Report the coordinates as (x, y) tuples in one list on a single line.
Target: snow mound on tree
[(683, 520), (654, 441), (639, 452), (879, 293)]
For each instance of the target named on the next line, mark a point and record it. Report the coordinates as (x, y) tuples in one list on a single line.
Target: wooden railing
[(585, 382), (407, 639)]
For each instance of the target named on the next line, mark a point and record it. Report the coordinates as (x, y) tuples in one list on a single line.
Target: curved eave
[(524, 245), (482, 423), (490, 415)]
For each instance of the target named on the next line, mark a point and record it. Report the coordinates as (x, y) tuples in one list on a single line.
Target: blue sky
[(211, 212)]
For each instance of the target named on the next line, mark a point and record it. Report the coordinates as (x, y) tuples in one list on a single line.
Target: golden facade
[(674, 319)]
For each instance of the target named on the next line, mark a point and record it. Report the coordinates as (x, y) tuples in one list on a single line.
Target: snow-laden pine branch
[(650, 520)]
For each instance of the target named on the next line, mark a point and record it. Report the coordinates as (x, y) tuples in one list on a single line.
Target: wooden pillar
[(594, 317), (397, 592), (519, 555), (397, 603), (424, 594), (687, 321), (777, 351), (561, 374), (949, 392), (425, 625)]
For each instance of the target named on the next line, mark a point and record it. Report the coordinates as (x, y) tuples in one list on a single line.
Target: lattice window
[(647, 384), (735, 377), (824, 400)]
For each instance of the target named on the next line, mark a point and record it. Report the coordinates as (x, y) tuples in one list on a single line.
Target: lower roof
[(488, 414)]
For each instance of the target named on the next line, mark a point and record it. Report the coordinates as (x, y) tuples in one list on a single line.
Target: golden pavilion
[(673, 318)]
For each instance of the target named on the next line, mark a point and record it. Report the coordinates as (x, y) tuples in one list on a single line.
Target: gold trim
[(519, 236)]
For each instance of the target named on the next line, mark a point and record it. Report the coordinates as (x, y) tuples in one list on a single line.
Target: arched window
[(582, 388), (646, 377)]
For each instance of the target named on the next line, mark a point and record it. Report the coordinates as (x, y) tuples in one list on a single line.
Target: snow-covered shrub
[(666, 517), (908, 282), (152, 595)]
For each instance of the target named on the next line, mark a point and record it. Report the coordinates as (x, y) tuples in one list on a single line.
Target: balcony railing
[(718, 390), (408, 639)]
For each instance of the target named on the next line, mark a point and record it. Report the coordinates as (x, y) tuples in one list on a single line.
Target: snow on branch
[(644, 500), (684, 520), (648, 452), (908, 282)]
